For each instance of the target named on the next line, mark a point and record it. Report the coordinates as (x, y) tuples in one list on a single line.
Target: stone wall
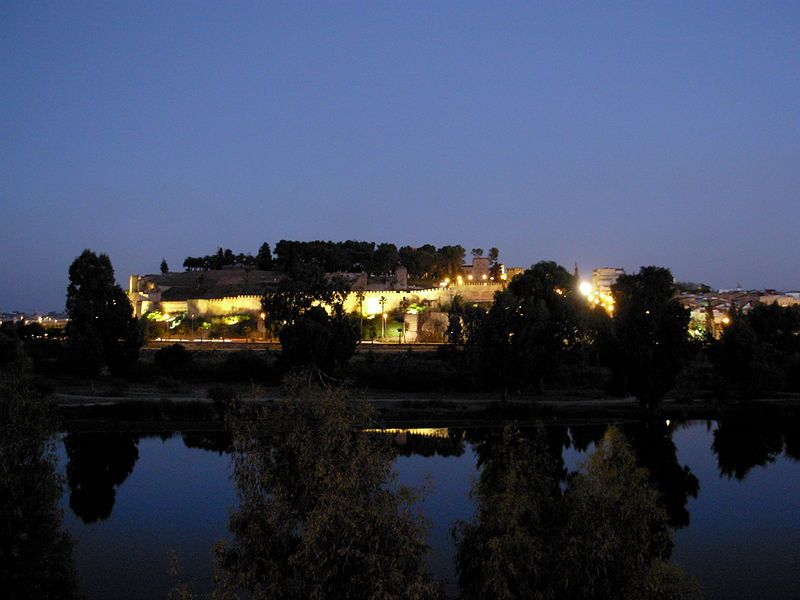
[(436, 298)]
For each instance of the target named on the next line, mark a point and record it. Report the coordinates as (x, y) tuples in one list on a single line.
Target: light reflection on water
[(740, 542)]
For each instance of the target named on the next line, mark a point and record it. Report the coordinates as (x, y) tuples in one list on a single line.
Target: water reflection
[(214, 441), (655, 451), (98, 463), (742, 442), (426, 442), (35, 551), (307, 525), (318, 515), (792, 437), (604, 536)]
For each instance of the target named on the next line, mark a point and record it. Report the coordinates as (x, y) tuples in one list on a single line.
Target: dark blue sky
[(605, 134)]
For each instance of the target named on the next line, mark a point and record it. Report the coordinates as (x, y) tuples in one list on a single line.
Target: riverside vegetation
[(538, 335)]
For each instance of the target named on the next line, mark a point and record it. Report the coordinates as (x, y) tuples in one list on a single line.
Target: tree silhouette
[(742, 442), (101, 328), (98, 463), (604, 536), (650, 327), (317, 514), (35, 550)]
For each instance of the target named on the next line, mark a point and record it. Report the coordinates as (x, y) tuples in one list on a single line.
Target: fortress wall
[(217, 307), (171, 307), (393, 298), (477, 292)]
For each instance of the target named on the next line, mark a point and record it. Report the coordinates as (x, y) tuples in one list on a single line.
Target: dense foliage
[(604, 535), (423, 262), (759, 352), (101, 330), (35, 550), (307, 313), (650, 334), (318, 513), (534, 330)]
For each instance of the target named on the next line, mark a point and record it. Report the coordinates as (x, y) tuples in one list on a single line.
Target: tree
[(98, 463), (477, 252), (35, 548), (508, 551), (174, 360), (319, 514), (263, 259), (164, 266), (604, 536), (495, 268), (740, 358), (101, 328), (448, 261), (651, 334), (307, 313), (386, 259), (530, 327), (616, 542)]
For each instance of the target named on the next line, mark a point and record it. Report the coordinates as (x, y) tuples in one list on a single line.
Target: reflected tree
[(742, 442), (583, 436), (35, 550), (214, 441), (616, 542), (319, 515), (605, 535), (411, 444), (98, 463), (508, 550), (655, 451), (792, 437)]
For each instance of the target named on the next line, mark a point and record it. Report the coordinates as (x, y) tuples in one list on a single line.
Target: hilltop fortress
[(238, 291)]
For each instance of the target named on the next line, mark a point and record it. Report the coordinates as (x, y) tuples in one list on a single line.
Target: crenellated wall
[(214, 307)]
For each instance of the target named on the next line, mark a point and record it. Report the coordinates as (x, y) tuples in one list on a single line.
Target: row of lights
[(460, 280)]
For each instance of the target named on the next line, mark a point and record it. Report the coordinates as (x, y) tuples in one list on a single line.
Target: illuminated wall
[(143, 302)]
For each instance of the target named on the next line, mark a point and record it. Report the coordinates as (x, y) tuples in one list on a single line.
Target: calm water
[(732, 490)]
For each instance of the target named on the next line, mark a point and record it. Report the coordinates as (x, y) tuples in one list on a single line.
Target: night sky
[(607, 134)]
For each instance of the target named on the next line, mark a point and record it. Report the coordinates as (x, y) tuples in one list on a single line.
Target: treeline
[(541, 333), (538, 334), (226, 258), (423, 262), (758, 353)]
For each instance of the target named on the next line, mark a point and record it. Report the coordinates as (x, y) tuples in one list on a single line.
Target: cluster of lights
[(596, 297)]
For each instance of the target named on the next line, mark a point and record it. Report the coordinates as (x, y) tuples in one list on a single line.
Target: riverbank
[(193, 404)]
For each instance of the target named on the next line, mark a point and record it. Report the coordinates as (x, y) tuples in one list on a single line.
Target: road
[(239, 343)]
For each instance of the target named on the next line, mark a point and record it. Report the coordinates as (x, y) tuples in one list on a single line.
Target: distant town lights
[(595, 297)]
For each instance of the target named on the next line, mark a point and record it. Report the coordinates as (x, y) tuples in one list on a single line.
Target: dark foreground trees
[(604, 536), (101, 330), (319, 514), (35, 550)]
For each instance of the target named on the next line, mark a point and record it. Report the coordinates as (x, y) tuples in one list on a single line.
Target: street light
[(383, 323)]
